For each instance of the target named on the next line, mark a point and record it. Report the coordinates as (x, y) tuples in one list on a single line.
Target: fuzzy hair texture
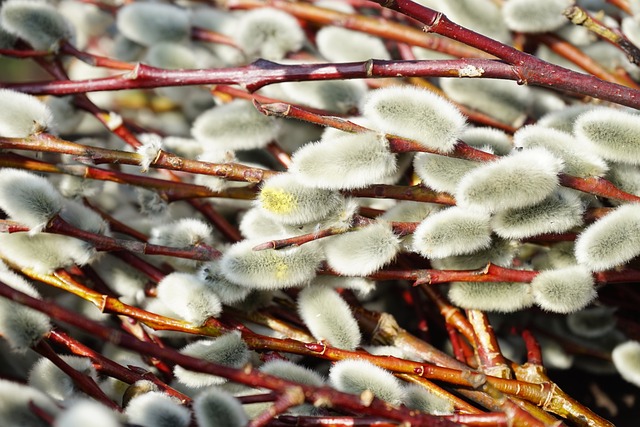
[(156, 409), (257, 225), (592, 322), (611, 240), (564, 119), (339, 44), (355, 376), (39, 23), (417, 114), (85, 413), (228, 350), (564, 290), (501, 252), (120, 276), (612, 133), (21, 327), (80, 216), (269, 269), (340, 96), (182, 233), (328, 317), (65, 116), (215, 408), (150, 23), (482, 137), (344, 163), (74, 187), (229, 293), (421, 399), (360, 285), (286, 200), (559, 212), (577, 162), (268, 33), (364, 251), (535, 16), (452, 231), (501, 297), (28, 198), (501, 99), (149, 150), (442, 173), (14, 405), (188, 297), (42, 252), (410, 211), (625, 177), (482, 16), (234, 126), (292, 372), (626, 358), (48, 378), (521, 179)]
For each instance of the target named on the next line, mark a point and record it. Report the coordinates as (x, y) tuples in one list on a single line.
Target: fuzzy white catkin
[(417, 114), (453, 231), (215, 408), (87, 412), (482, 16), (229, 293), (419, 398), (340, 96), (38, 23), (14, 405), (578, 162), (182, 233), (612, 133), (234, 126), (501, 99), (28, 198), (356, 376), (337, 44), (610, 241), (269, 269), (292, 372), (287, 201), (481, 137), (48, 378), (149, 150), (268, 33), (346, 162), (328, 317), (626, 358), (22, 115), (518, 180), (501, 297), (42, 253), (441, 173), (157, 409), (151, 23), (189, 297), (558, 213), (535, 16), (564, 290), (364, 251), (20, 326), (228, 350)]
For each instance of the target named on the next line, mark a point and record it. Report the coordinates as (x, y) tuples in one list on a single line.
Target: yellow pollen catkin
[(277, 200)]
